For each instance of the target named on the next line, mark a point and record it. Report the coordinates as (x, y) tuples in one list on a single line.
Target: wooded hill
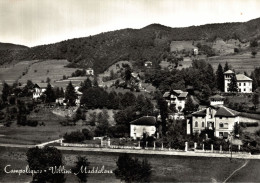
[(149, 43)]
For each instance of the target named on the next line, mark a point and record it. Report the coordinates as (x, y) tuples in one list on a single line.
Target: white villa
[(145, 124), (244, 83), (39, 89), (89, 72), (177, 98), (218, 118)]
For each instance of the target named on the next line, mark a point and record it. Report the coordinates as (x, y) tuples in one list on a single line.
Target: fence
[(162, 148)]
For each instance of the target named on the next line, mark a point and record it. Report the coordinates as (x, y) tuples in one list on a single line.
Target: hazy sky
[(35, 22)]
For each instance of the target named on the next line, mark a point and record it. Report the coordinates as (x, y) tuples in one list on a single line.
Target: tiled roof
[(229, 72), (200, 113), (145, 120), (217, 97), (242, 77), (179, 93), (183, 95), (41, 85), (226, 112), (166, 94)]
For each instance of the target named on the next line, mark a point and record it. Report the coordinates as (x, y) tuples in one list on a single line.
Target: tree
[(5, 92), (103, 124), (189, 106), (253, 43), (70, 95), (253, 53), (48, 80), (163, 106), (50, 94), (45, 160), (95, 82), (220, 78), (85, 85), (30, 84), (226, 68), (132, 170), (81, 164), (254, 82), (232, 86), (255, 99)]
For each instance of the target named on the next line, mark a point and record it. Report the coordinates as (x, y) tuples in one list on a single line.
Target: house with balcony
[(244, 83), (176, 98), (39, 89)]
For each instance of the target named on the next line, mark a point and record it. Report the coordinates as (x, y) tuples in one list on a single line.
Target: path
[(46, 143), (236, 171)]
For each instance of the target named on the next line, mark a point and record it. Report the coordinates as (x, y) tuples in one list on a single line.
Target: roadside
[(142, 151)]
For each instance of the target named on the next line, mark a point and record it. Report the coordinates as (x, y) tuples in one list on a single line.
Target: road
[(142, 151)]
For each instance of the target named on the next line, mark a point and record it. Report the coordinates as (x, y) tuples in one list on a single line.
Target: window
[(220, 117), (196, 124), (244, 89), (221, 125), (202, 124), (239, 84), (221, 134), (244, 84), (225, 125)]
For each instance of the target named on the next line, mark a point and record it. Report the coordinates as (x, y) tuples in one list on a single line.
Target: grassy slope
[(34, 135)]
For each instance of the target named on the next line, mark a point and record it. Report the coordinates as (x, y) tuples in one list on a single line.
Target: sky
[(37, 22)]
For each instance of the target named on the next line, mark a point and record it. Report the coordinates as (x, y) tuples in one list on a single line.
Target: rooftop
[(229, 72), (242, 77), (145, 120), (200, 113), (217, 97), (226, 112), (41, 85)]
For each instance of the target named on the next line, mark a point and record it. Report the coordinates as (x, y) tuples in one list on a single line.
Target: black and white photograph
[(126, 91)]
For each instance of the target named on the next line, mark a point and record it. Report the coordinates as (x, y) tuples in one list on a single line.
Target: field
[(12, 72), (54, 69), (240, 62), (164, 168), (35, 135)]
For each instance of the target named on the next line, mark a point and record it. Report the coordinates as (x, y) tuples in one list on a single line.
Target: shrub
[(32, 123), (76, 136), (247, 124), (88, 134)]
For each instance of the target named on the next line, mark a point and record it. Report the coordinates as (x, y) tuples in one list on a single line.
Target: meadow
[(164, 168), (52, 130), (53, 69)]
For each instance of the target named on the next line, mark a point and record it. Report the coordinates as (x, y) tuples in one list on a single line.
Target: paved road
[(142, 151)]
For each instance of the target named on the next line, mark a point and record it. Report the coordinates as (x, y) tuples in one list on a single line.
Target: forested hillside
[(149, 43)]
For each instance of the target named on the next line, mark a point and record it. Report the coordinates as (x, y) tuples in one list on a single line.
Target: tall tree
[(189, 105), (45, 160), (132, 170), (50, 94), (220, 78), (70, 94), (85, 85), (5, 92), (210, 76), (254, 82), (232, 86), (163, 106), (81, 168), (29, 84), (255, 99), (226, 68)]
